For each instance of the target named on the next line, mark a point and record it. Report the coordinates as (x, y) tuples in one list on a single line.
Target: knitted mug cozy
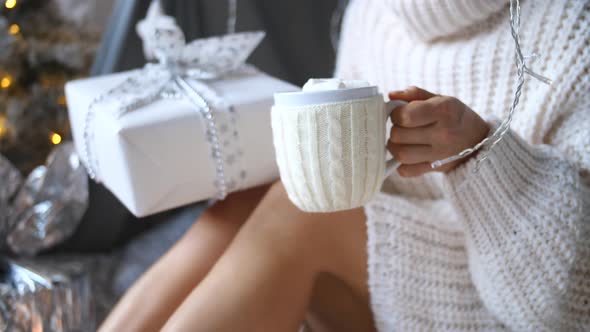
[(331, 156)]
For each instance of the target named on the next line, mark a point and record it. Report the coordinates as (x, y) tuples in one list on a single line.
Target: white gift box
[(157, 157)]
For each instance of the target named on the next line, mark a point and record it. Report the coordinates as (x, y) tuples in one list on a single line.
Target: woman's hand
[(429, 128)]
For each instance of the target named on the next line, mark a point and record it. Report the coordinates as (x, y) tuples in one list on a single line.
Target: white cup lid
[(300, 98)]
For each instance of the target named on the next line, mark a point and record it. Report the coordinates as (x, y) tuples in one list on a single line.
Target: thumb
[(410, 94)]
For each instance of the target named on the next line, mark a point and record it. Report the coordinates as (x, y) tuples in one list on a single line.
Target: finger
[(411, 94), (415, 114), (402, 135), (410, 153), (408, 171)]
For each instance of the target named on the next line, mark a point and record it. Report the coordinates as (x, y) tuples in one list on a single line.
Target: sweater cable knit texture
[(506, 248)]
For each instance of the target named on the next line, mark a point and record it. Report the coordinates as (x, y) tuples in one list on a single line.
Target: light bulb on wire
[(10, 4), (3, 126), (55, 138), (14, 29), (5, 82), (62, 101)]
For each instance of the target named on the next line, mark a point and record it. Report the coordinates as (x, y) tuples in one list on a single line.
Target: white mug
[(331, 146)]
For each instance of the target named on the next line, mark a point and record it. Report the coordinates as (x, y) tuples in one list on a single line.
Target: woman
[(506, 247)]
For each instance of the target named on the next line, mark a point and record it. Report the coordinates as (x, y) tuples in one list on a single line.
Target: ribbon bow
[(177, 62), (163, 40)]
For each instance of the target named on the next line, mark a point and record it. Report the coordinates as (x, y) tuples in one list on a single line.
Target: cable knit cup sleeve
[(526, 217)]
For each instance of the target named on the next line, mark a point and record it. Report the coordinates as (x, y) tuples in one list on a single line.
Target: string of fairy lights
[(6, 81)]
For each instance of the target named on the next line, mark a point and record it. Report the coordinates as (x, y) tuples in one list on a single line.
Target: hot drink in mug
[(330, 142)]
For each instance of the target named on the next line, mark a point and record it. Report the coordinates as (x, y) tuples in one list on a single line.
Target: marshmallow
[(326, 84)]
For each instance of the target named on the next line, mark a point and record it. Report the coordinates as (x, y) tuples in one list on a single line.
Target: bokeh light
[(10, 4), (55, 138)]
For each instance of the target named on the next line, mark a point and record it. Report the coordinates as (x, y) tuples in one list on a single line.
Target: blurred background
[(94, 243)]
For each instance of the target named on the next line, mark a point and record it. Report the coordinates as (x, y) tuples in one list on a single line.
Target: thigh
[(190, 259), (335, 306), (331, 244), (221, 221), (334, 243), (268, 273)]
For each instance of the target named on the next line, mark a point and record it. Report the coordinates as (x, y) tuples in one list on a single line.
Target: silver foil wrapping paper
[(49, 205), (46, 294), (45, 297), (10, 181)]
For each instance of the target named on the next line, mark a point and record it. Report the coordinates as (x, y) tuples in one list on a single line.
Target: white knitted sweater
[(507, 248)]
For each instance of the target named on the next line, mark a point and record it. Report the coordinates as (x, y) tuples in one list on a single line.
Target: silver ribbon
[(181, 71)]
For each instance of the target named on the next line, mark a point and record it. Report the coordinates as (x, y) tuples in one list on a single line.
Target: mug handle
[(391, 165)]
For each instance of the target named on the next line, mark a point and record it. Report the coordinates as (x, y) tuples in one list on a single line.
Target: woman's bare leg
[(264, 281), (154, 297), (337, 307)]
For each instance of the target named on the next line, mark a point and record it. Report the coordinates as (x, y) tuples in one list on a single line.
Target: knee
[(218, 219), (277, 226), (326, 241), (235, 208), (277, 191), (220, 211)]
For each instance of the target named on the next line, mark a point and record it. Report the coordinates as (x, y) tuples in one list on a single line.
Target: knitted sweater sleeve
[(526, 216)]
